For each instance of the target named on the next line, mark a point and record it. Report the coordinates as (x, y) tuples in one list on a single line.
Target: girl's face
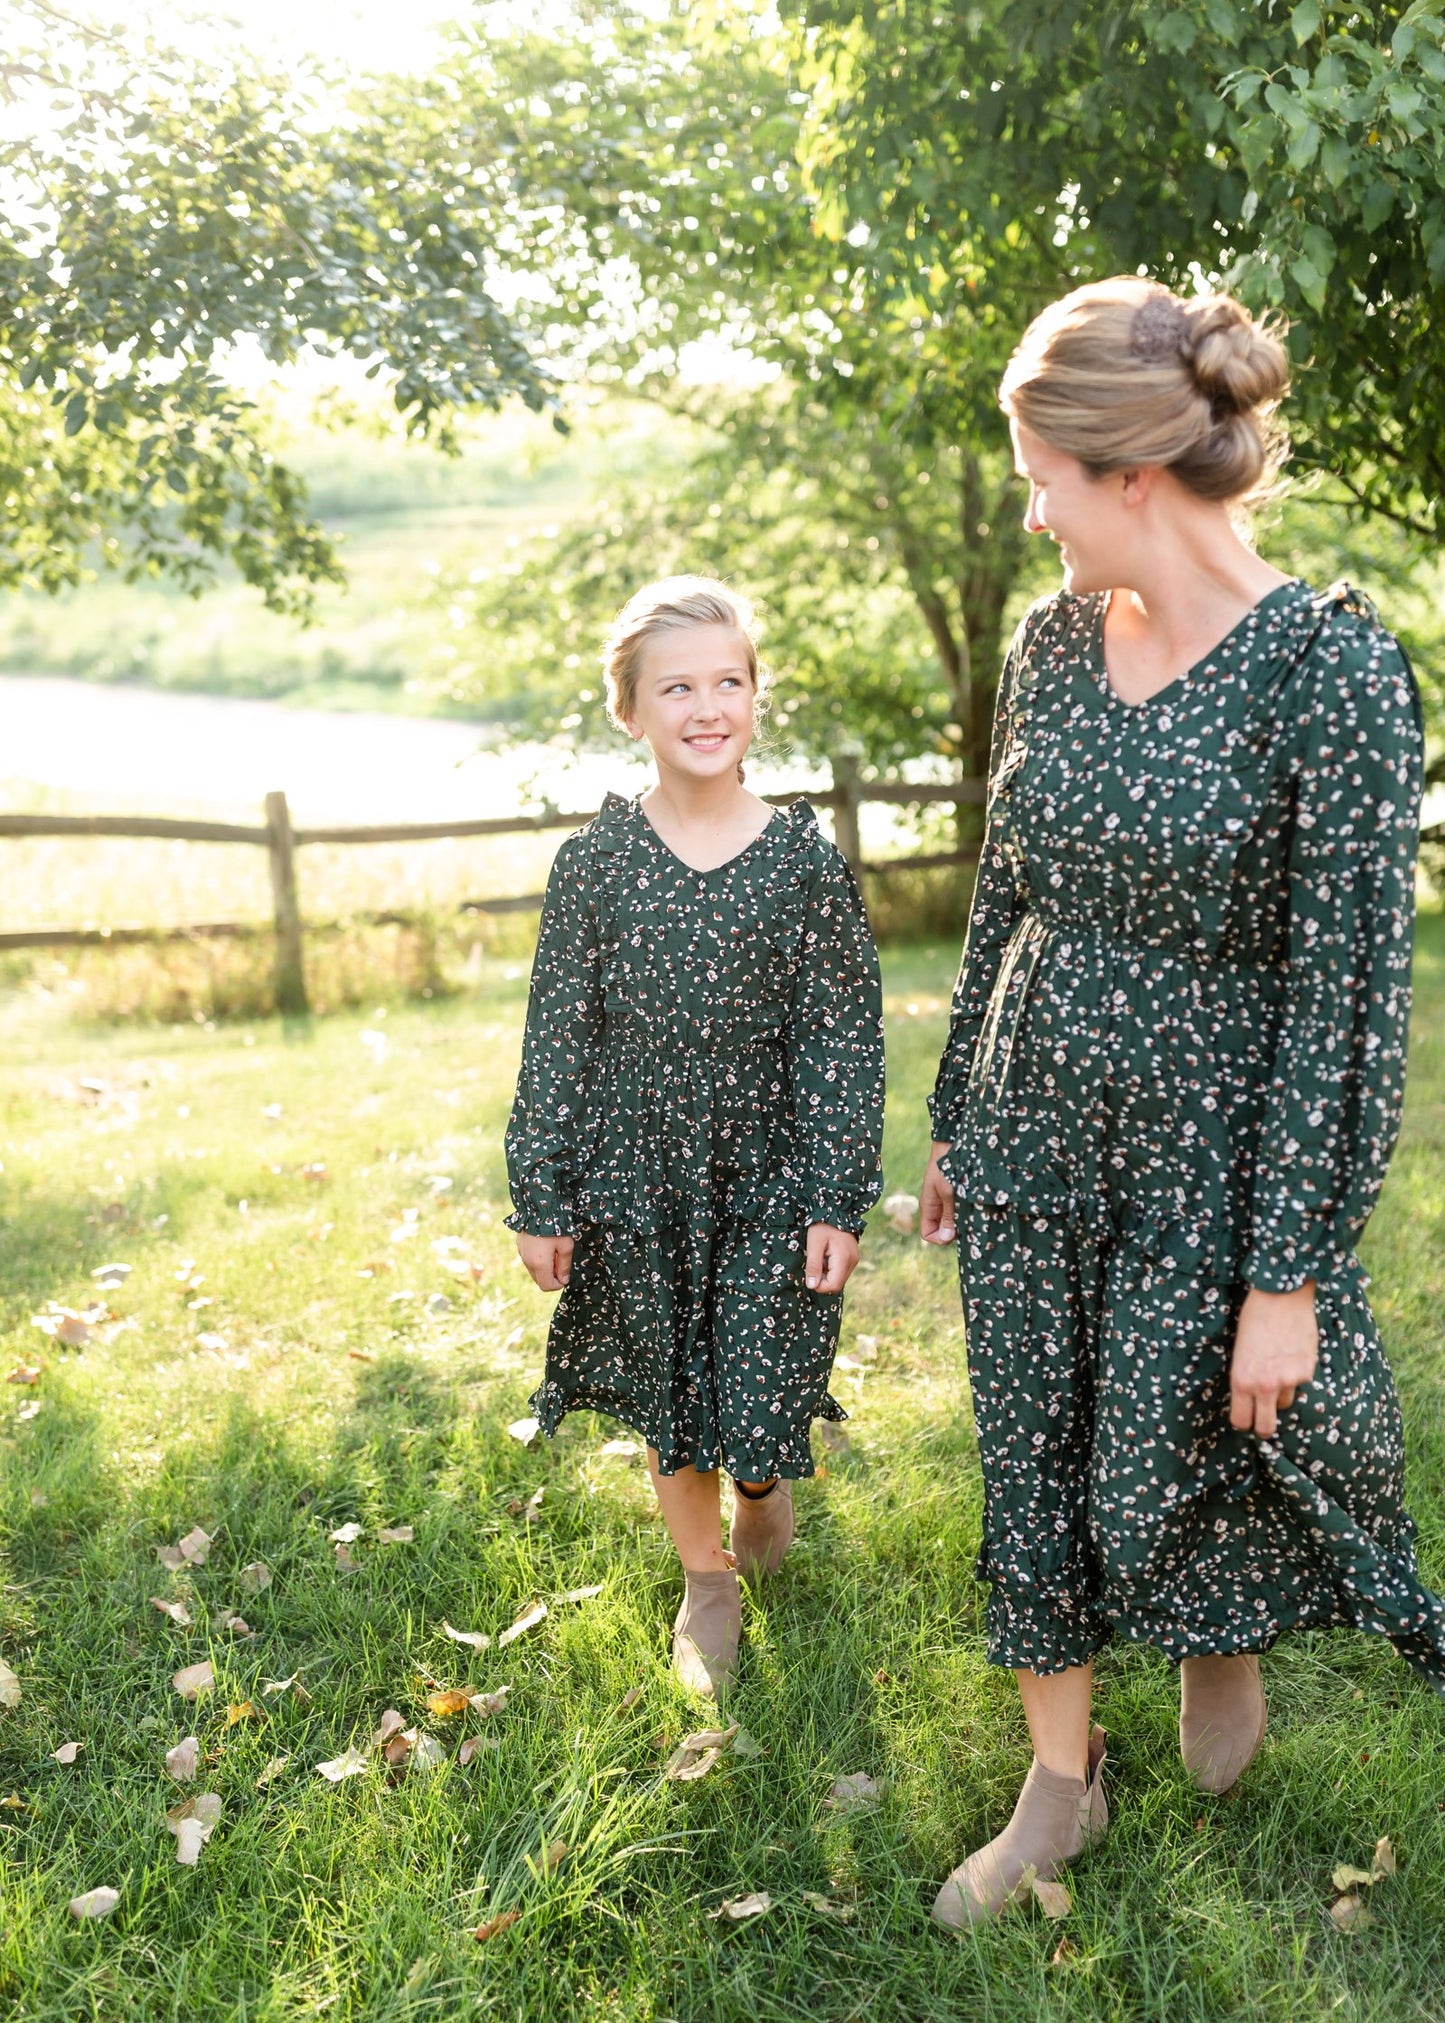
[(694, 700), (1083, 514)]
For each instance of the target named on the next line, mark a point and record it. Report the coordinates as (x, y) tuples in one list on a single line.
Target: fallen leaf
[(274, 1686), (193, 1823), (108, 1275), (195, 1546), (427, 1753), (67, 1752), (242, 1710), (177, 1611), (843, 1912), (193, 1680), (867, 1346), (272, 1772), (95, 1903), (1350, 1915), (391, 1723), (255, 1577), (345, 1534), (582, 1594), (525, 1430), (361, 1355), (620, 1450), (630, 1699), (857, 1788), (9, 1686), (494, 1925), (396, 1534), (438, 1303), (489, 1703), (474, 1744), (1052, 1898), (214, 1344), (1383, 1863), (30, 1409), (1064, 1952), (344, 1560), (14, 1803), (528, 1620), (38, 1499), (399, 1747), (237, 1625), (901, 1211), (686, 1766), (1347, 1878), (531, 1509), (743, 1907), (352, 1764), (552, 1858), (171, 1557), (314, 1170), (452, 1700), (477, 1639), (183, 1761), (24, 1373)]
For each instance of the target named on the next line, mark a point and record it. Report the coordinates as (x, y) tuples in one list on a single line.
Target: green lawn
[(306, 1397)]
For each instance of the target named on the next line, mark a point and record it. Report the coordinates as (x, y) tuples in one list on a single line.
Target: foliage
[(170, 207)]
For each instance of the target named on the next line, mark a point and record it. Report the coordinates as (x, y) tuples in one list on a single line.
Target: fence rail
[(281, 840)]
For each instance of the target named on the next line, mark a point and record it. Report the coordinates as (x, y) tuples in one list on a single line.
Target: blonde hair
[(669, 605), (1123, 372)]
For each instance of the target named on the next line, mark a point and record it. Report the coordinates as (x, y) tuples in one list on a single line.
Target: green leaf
[(1309, 280), (1304, 146), (1335, 154), (1402, 41), (77, 410), (1305, 20), (1221, 18), (1377, 206), (1432, 62)]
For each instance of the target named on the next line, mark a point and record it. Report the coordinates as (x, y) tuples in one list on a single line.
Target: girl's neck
[(679, 803)]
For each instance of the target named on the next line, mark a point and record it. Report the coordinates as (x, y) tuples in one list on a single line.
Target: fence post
[(848, 787), (281, 853)]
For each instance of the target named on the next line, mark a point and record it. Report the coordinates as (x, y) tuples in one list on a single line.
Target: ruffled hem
[(676, 1449)]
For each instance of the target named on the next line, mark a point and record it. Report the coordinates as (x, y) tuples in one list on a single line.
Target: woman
[(1174, 1070)]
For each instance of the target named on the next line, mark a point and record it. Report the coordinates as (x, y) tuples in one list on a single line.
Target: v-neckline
[(1178, 683), (694, 870)]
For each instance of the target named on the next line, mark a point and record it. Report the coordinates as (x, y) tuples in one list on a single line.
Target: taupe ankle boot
[(1055, 1819), (706, 1632), (1221, 1719), (763, 1527)]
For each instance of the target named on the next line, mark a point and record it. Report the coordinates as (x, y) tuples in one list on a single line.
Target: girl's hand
[(548, 1258), (832, 1254), (1276, 1346), (936, 1221)]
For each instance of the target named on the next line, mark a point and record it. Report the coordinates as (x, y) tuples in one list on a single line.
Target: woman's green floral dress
[(1174, 1072), (702, 1077)]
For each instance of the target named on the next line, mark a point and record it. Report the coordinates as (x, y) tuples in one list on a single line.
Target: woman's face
[(694, 700), (1080, 512)]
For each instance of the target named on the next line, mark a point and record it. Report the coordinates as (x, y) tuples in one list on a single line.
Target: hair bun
[(1234, 359)]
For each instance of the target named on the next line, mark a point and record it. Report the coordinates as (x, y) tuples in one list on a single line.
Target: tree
[(170, 208)]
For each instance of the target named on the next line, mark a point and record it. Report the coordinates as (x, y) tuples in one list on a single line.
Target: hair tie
[(1160, 328)]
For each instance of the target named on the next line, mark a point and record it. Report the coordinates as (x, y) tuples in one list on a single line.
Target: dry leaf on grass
[(30, 1410), (9, 1686), (314, 1170), (1064, 1953), (271, 1687), (391, 1723), (1346, 1878), (67, 1752), (550, 1860), (344, 1561), (352, 1764), (192, 1550), (857, 1788), (528, 1620), (490, 1929), (177, 1611), (183, 1760), (474, 1744), (630, 1699), (108, 1276), (255, 1577), (242, 1710), (582, 1594), (476, 1639), (14, 1803), (450, 1700), (427, 1753), (271, 1772), (738, 1908), (193, 1680), (38, 1499), (525, 1430), (619, 1450), (396, 1534), (842, 1912), (237, 1625), (531, 1509), (1052, 1898), (1350, 1915), (686, 1766), (489, 1703), (901, 1211), (1383, 1863), (24, 1373), (95, 1903), (345, 1534), (193, 1822)]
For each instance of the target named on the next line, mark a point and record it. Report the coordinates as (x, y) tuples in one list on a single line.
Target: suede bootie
[(1221, 1719), (706, 1632), (762, 1529), (1056, 1818)]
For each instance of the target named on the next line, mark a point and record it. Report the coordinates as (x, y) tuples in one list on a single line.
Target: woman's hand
[(832, 1254), (1276, 1346), (936, 1222), (548, 1258)]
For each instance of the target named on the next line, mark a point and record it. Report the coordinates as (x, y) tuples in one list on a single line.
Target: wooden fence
[(281, 840)]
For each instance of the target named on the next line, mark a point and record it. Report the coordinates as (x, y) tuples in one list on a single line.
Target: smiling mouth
[(707, 741)]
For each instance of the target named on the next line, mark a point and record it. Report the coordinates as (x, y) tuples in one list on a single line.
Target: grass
[(306, 1396)]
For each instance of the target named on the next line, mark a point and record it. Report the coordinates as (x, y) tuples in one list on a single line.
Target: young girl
[(695, 1138)]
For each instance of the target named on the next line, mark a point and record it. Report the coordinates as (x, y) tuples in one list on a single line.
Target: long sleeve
[(1333, 1106), (835, 1049), (559, 1049), (991, 921)]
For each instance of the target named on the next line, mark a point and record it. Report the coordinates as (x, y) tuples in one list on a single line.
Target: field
[(302, 1345)]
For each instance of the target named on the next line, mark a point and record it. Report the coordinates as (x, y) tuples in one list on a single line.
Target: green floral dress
[(1174, 1072), (702, 1078)]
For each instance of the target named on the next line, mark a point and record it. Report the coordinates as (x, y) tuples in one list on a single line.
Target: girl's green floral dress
[(1174, 1073), (702, 1077)]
